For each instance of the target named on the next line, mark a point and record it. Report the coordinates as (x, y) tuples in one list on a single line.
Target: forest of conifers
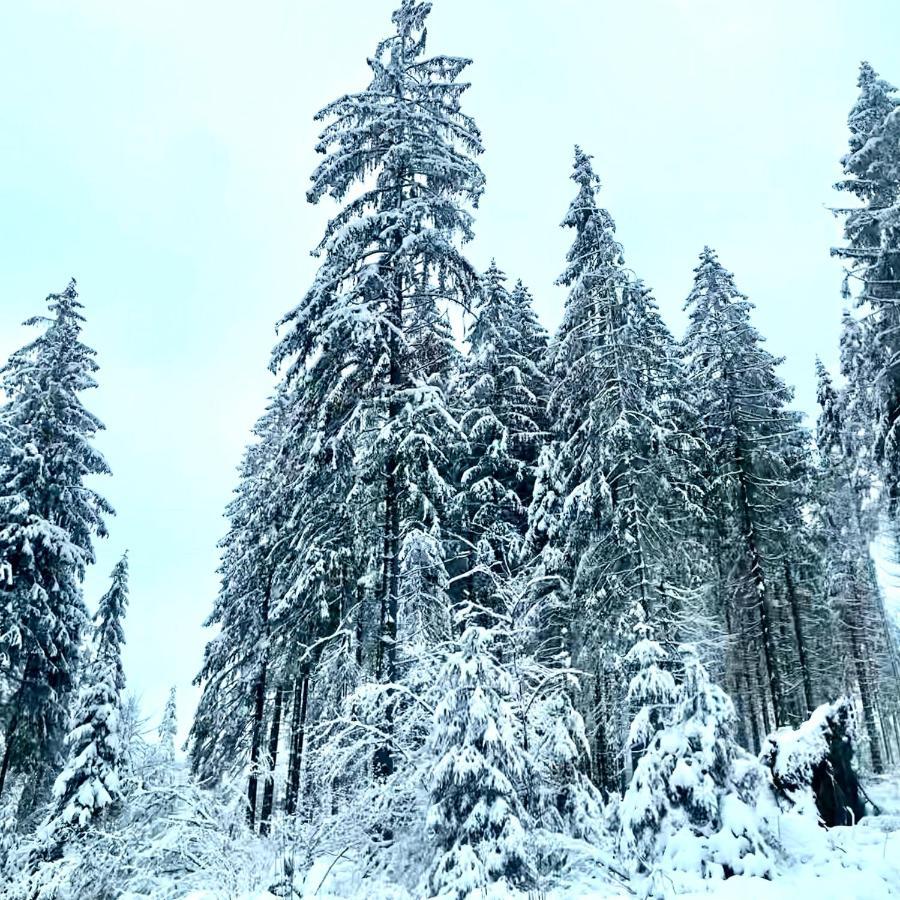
[(488, 595)]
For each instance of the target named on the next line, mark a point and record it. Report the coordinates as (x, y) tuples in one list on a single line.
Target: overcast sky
[(159, 152)]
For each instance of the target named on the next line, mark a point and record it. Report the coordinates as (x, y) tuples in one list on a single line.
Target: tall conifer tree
[(89, 784), (48, 520), (369, 338), (872, 254), (757, 454)]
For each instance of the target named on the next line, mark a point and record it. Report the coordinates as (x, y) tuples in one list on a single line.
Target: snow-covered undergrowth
[(861, 862), (172, 840)]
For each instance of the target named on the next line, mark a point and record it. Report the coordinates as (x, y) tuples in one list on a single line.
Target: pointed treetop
[(168, 726), (66, 303), (595, 251), (714, 284), (534, 335), (851, 344), (494, 275), (829, 426), (708, 256), (872, 106), (871, 163), (823, 376), (109, 634), (583, 170), (411, 15)]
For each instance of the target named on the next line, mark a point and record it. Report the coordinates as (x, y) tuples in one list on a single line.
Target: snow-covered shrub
[(651, 690), (475, 816), (567, 801), (165, 841), (690, 806), (89, 783)]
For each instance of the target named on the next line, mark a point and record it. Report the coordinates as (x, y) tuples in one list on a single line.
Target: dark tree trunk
[(751, 686), (359, 625), (383, 762), (8, 748), (866, 696), (793, 603), (259, 710), (755, 662), (761, 597), (268, 802), (298, 737), (12, 726)]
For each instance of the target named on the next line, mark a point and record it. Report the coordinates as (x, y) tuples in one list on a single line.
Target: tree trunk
[(12, 726), (359, 625), (298, 737), (761, 693), (268, 802), (383, 762), (794, 606), (861, 666), (761, 599), (8, 747), (259, 709), (749, 673)]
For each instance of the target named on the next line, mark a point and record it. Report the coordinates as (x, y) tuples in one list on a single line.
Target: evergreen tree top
[(57, 357), (872, 164), (49, 431), (713, 283), (532, 333), (716, 307), (745, 401), (825, 392), (109, 635), (493, 306), (111, 608), (407, 152), (168, 726), (873, 105), (829, 427), (408, 120), (595, 251)]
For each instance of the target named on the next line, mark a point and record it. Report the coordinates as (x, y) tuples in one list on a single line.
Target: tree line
[(467, 585)]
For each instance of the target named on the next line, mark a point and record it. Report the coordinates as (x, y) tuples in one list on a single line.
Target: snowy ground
[(852, 863)]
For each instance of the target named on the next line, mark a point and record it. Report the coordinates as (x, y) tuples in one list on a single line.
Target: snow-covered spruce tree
[(228, 730), (622, 485), (475, 817), (503, 398), (531, 333), (651, 689), (325, 572), (872, 254), (860, 623), (690, 805), (652, 694), (168, 728), (363, 338), (109, 632), (48, 519), (758, 454), (89, 784)]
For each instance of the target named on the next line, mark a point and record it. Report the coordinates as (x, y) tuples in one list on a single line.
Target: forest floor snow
[(861, 862)]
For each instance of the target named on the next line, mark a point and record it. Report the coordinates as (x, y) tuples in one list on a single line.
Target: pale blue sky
[(159, 151)]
